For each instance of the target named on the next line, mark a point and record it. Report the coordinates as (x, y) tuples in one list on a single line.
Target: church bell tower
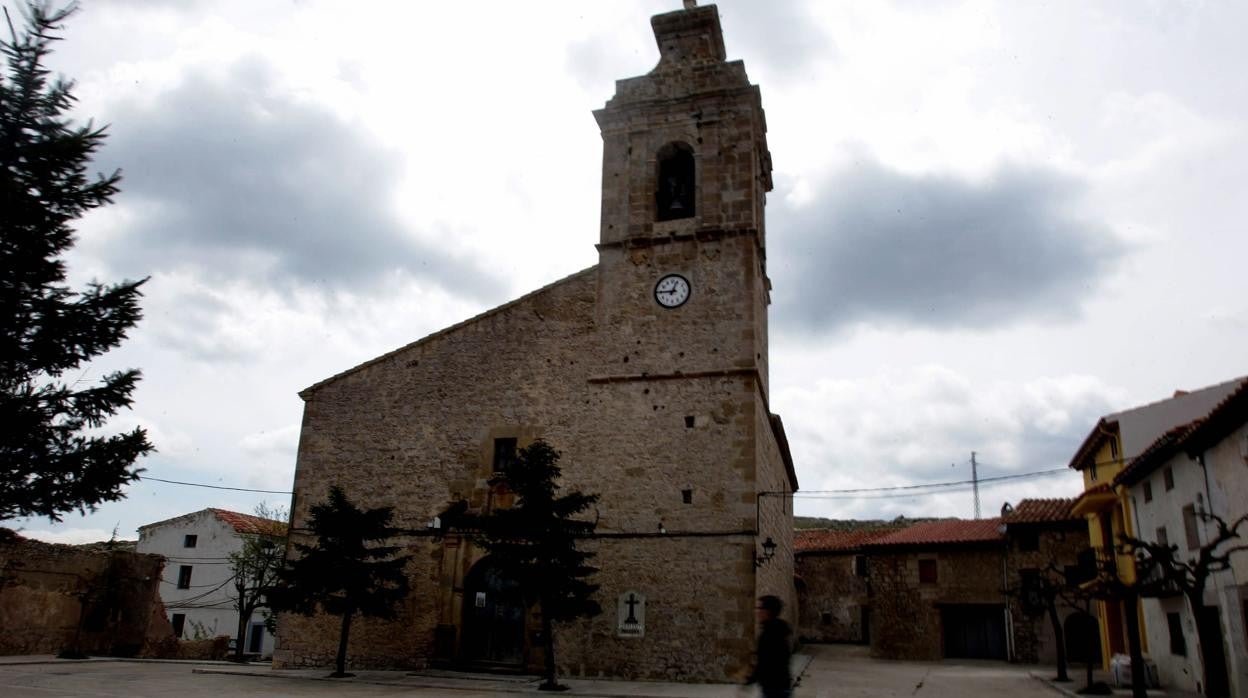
[(685, 173)]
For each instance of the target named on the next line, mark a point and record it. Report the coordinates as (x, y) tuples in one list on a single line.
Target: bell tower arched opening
[(675, 184)]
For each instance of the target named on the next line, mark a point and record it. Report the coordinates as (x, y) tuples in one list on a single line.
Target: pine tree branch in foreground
[(53, 456)]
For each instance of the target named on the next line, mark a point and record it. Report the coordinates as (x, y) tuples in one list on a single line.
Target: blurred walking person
[(771, 666)]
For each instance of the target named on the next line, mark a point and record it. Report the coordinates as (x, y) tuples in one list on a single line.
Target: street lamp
[(769, 551)]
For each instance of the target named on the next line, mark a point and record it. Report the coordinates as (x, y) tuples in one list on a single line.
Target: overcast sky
[(992, 222)]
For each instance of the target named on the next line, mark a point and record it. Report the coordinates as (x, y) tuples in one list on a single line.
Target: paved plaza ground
[(838, 671)]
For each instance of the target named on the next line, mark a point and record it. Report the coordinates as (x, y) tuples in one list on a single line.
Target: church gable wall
[(411, 430)]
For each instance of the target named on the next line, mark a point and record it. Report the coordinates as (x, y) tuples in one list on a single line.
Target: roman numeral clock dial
[(672, 291)]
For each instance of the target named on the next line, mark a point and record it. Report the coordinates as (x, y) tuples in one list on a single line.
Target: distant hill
[(808, 522)]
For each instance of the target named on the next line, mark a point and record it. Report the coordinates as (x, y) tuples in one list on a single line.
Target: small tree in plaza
[(535, 541), (1041, 593), (1169, 571), (257, 568), (348, 570)]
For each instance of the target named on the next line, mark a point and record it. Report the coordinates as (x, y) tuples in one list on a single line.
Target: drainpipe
[(1009, 601)]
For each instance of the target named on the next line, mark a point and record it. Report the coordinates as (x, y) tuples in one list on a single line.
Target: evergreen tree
[(534, 541), (345, 572), (53, 458)]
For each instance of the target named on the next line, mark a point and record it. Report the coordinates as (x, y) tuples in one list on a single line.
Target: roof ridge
[(1240, 380), (445, 330)]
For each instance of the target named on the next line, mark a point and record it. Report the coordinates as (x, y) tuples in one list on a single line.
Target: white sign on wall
[(631, 611)]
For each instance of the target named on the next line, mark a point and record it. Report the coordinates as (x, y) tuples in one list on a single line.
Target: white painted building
[(1193, 469), (197, 587)]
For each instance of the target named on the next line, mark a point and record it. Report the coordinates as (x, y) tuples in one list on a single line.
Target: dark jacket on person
[(771, 669)]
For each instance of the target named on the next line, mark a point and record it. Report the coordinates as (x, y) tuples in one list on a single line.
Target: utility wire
[(214, 487), (802, 493), (930, 485)]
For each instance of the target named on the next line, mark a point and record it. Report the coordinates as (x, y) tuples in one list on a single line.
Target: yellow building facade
[(1107, 509)]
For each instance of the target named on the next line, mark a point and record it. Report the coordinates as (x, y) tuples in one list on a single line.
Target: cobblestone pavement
[(834, 671), (847, 671)]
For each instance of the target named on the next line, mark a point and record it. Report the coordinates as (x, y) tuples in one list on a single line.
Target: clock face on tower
[(672, 291)]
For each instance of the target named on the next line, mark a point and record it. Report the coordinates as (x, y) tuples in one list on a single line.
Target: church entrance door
[(494, 612)]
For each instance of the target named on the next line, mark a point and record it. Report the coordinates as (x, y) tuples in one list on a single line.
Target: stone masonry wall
[(832, 588), (905, 617), (414, 430), (660, 411), (47, 590), (775, 517), (1034, 641)]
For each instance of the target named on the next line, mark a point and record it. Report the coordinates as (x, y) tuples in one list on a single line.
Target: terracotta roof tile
[(248, 524), (1157, 453), (945, 532), (1042, 511), (825, 541), (1227, 416)]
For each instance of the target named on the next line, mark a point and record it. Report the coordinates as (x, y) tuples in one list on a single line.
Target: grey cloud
[(879, 246), (238, 179), (779, 39), (912, 426)]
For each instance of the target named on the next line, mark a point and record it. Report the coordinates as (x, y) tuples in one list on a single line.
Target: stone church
[(647, 371)]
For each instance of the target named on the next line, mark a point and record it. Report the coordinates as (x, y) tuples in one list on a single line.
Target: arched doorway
[(494, 614), (1083, 639)]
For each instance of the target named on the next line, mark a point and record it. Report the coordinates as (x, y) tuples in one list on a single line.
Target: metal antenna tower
[(975, 482)]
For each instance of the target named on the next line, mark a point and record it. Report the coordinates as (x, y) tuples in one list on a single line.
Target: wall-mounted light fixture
[(769, 551)]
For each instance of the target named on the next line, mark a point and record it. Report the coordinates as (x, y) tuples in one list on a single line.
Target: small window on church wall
[(674, 191), (504, 453)]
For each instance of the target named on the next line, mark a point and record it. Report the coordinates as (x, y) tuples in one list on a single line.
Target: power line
[(930, 485), (803, 493), (214, 487)]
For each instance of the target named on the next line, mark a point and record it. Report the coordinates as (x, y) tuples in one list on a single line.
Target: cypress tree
[(535, 542), (346, 572)]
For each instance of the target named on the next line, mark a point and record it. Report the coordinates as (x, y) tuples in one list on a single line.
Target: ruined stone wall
[(47, 591), (1034, 641), (833, 598), (905, 614)]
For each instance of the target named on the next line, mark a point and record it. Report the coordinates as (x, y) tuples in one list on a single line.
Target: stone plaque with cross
[(631, 609)]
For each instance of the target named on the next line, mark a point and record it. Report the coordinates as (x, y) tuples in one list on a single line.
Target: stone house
[(1190, 471), (1045, 537), (948, 588), (196, 584), (1115, 440), (938, 591), (833, 585), (647, 371)]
